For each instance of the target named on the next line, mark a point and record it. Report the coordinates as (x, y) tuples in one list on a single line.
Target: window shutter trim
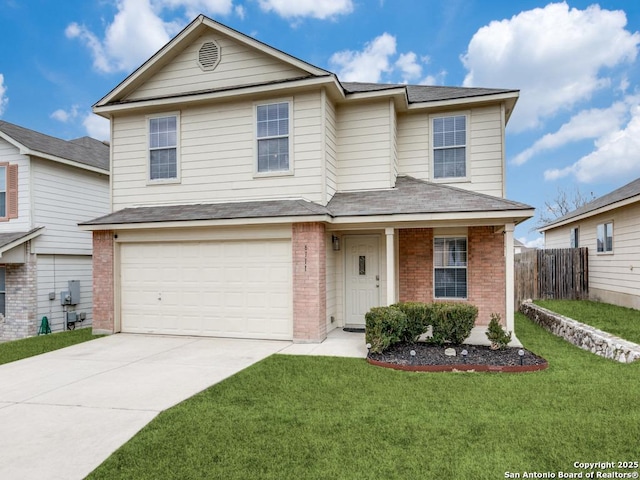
[(12, 191)]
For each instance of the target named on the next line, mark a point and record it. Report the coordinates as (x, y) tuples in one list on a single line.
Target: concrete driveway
[(63, 413)]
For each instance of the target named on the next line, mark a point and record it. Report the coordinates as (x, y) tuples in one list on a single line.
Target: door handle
[(377, 281)]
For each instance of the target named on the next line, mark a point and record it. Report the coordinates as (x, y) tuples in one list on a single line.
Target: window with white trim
[(163, 148), (605, 237), (8, 191), (450, 267), (272, 135), (450, 147), (574, 237), (3, 191)]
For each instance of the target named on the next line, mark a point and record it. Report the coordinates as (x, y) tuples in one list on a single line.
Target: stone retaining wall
[(584, 336)]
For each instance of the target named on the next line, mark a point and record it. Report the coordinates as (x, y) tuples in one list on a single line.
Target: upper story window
[(272, 132), (450, 147), (163, 148), (605, 237), (8, 191), (574, 237), (450, 267)]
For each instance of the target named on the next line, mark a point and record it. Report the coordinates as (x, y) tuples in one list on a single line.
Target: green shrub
[(418, 318), (452, 322), (498, 337), (384, 327)]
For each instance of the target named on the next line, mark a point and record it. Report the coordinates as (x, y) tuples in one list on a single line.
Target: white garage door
[(225, 288)]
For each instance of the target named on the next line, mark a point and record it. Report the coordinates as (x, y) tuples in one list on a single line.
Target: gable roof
[(628, 193), (84, 152), (407, 96), (196, 28), (409, 197), (11, 240)]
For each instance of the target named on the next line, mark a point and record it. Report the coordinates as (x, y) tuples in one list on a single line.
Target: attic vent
[(209, 55)]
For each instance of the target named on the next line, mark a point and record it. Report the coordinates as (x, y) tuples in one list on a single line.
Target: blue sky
[(576, 124)]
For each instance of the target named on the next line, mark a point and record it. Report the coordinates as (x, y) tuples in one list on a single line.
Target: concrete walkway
[(64, 412)]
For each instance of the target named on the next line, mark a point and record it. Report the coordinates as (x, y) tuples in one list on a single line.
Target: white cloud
[(593, 123), (97, 127), (615, 157), (409, 66), (138, 31), (240, 11), (320, 9), (3, 95), (65, 115), (554, 55), (434, 79), (367, 65), (535, 243)]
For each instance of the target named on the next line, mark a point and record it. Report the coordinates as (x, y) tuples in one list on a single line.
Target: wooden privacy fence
[(556, 273)]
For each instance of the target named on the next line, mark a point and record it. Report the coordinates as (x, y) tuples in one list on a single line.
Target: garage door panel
[(234, 288)]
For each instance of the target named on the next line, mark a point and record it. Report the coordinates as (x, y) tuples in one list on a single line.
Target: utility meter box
[(72, 295)]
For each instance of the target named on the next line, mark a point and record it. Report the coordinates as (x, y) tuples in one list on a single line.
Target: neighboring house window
[(163, 148), (8, 191), (450, 267), (450, 147), (272, 132), (605, 237), (3, 291), (574, 238)]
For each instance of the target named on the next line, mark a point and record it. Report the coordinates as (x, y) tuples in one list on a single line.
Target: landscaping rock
[(450, 352)]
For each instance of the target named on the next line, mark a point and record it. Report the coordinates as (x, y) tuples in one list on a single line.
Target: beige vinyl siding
[(10, 154), (217, 157), (64, 196), (394, 143), (617, 272), (364, 146), (484, 147), (413, 145), (239, 65), (54, 273), (331, 149)]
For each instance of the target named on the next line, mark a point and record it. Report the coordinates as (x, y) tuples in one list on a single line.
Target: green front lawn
[(295, 417), (28, 347), (620, 321)]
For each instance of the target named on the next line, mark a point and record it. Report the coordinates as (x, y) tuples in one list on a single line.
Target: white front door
[(362, 277)]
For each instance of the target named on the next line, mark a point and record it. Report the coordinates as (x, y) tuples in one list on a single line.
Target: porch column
[(509, 275), (391, 266)]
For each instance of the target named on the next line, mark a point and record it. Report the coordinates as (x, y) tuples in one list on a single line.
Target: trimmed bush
[(384, 327), (498, 337), (418, 318), (452, 322)]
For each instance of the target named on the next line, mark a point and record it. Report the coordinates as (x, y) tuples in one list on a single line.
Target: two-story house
[(608, 226), (255, 195), (47, 186)]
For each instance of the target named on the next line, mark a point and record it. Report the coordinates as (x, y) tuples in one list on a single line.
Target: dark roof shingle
[(410, 196), (85, 150), (426, 93)]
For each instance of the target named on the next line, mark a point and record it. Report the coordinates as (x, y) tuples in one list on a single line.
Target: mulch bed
[(479, 358)]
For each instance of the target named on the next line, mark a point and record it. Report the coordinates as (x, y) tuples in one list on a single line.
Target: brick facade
[(485, 269), (103, 282), (309, 282), (486, 275), (415, 262), (20, 320)]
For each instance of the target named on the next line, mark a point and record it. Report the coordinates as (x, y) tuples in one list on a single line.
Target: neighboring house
[(519, 247), (47, 186), (255, 195), (609, 227)]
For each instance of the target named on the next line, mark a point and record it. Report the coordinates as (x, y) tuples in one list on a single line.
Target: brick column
[(103, 282), (309, 282), (486, 273), (20, 319)]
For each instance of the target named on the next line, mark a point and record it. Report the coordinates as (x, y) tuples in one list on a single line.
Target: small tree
[(497, 336), (563, 203)]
